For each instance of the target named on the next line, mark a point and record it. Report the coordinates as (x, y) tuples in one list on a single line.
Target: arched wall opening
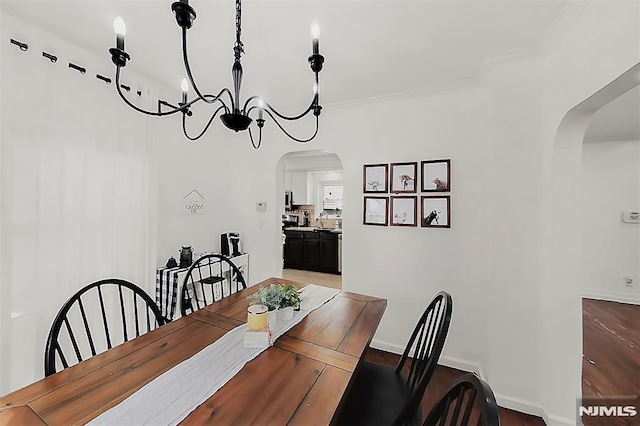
[(301, 177), (561, 288)]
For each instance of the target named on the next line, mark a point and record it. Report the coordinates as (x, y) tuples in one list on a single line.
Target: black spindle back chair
[(383, 395), (469, 401), (211, 278), (98, 317), (423, 351)]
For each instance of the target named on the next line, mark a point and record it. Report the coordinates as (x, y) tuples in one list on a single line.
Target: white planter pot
[(272, 319), (285, 314)]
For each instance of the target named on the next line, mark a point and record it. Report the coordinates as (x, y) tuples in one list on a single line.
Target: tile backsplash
[(313, 219), (300, 209)]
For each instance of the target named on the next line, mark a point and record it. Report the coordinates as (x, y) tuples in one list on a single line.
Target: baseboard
[(611, 296), (552, 420), (444, 360), (505, 401)]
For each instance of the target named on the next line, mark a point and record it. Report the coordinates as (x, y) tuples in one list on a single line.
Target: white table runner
[(170, 397)]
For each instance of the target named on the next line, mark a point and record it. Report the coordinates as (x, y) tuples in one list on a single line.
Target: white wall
[(611, 248), (77, 195)]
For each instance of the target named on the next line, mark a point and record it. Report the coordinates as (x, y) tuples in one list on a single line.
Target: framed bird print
[(403, 177), (376, 211), (404, 211), (435, 211), (375, 178), (436, 176)]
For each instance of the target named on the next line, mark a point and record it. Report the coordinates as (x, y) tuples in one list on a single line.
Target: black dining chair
[(470, 401), (98, 317), (210, 278), (383, 395)]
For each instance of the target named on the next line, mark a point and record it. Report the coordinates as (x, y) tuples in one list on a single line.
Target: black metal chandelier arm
[(124, 98), (289, 134), (206, 97), (268, 107), (184, 124), (259, 139)]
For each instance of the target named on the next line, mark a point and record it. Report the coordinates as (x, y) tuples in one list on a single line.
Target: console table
[(169, 284)]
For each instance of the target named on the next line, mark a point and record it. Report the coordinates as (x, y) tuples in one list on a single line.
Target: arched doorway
[(562, 246), (311, 210)]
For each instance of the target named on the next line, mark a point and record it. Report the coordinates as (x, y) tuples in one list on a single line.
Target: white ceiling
[(372, 48)]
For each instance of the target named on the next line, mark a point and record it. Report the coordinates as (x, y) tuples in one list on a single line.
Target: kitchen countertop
[(314, 229)]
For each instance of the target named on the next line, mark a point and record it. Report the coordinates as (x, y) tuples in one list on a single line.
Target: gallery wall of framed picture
[(402, 206)]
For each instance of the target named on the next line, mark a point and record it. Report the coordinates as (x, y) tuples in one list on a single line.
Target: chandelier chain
[(239, 47)]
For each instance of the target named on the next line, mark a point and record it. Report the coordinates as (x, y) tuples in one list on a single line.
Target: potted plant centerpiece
[(271, 297), (290, 301)]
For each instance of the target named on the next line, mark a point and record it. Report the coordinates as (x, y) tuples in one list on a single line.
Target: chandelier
[(235, 116)]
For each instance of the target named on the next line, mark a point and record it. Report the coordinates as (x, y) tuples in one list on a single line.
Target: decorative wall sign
[(436, 212), (376, 211), (436, 176), (193, 204), (375, 178), (404, 211), (403, 177)]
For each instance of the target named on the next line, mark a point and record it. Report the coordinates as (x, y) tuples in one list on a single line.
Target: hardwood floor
[(310, 277), (442, 379), (611, 353)]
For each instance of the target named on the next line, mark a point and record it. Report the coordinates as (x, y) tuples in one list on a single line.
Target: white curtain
[(76, 192)]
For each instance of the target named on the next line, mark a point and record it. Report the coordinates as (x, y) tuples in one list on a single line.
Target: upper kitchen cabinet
[(287, 181), (299, 187)]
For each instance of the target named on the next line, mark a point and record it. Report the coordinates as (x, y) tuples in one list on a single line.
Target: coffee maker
[(230, 244)]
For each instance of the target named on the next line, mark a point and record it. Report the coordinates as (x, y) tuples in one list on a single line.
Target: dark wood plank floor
[(611, 353), (442, 379)]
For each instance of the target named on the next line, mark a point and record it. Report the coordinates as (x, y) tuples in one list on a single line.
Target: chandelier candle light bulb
[(261, 109), (184, 85), (121, 30), (315, 37)]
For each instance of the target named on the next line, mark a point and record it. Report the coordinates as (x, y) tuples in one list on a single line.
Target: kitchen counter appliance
[(290, 220)]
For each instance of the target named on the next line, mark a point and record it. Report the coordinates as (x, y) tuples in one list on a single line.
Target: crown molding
[(567, 16), (460, 85)]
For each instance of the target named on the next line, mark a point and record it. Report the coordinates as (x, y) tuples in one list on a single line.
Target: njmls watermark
[(624, 408)]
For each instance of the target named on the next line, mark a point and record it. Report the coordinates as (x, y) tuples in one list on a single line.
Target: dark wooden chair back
[(211, 278), (423, 350), (98, 317), (470, 401)]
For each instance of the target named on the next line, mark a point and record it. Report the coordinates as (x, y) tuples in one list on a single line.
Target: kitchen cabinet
[(287, 181), (311, 251), (299, 187), (329, 251), (294, 250)]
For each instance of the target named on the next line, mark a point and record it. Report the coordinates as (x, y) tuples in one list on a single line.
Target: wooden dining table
[(300, 380)]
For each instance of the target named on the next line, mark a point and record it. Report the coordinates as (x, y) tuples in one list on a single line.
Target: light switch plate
[(261, 206), (631, 217)]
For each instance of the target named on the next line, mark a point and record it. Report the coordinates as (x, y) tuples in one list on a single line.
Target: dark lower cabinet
[(311, 250), (294, 250), (312, 254), (329, 250)]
